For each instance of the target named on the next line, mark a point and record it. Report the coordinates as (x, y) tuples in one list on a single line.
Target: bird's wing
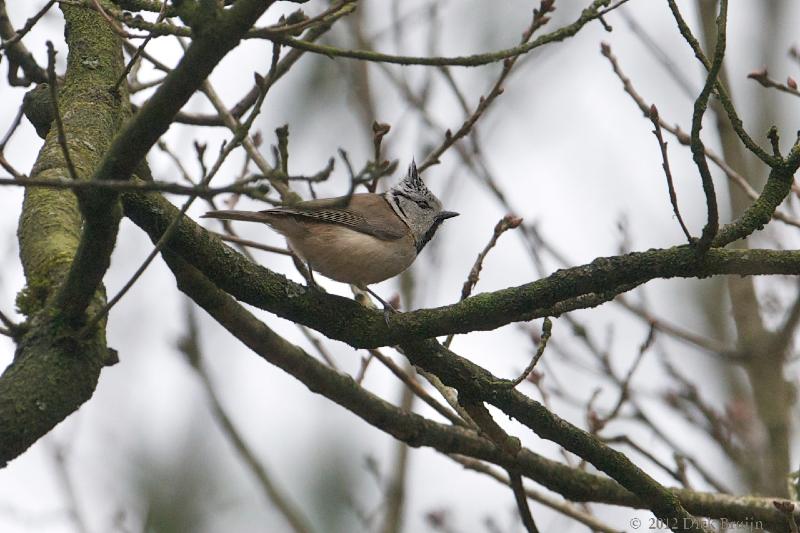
[(365, 213)]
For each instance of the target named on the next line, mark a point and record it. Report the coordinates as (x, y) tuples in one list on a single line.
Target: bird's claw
[(387, 311)]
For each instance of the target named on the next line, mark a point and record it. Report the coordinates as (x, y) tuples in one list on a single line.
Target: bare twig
[(763, 78), (362, 371), (685, 140), (202, 191), (540, 18), (706, 343), (697, 411), (288, 27), (558, 505), (547, 328), (241, 130), (673, 198), (450, 395), (515, 482), (317, 344), (587, 15), (137, 54), (506, 223), (697, 147), (626, 440), (624, 393), (658, 51), (29, 24), (14, 125), (611, 8), (227, 226), (722, 93), (17, 175), (416, 387), (247, 101)]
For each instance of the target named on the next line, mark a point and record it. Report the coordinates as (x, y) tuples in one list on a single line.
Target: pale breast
[(350, 256)]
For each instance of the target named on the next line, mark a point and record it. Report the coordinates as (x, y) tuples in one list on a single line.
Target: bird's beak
[(444, 215)]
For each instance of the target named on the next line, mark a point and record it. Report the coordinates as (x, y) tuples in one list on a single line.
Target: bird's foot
[(388, 308), (311, 285)]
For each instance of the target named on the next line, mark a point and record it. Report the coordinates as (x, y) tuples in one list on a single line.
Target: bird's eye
[(423, 204)]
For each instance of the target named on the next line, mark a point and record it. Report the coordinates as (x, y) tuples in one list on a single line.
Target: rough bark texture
[(65, 245), (54, 372)]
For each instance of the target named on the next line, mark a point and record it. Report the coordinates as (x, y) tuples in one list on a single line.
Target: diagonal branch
[(131, 145), (54, 372), (724, 98), (684, 139), (473, 381), (574, 484), (18, 55)]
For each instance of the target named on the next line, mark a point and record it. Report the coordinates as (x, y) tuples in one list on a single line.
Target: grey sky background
[(570, 149)]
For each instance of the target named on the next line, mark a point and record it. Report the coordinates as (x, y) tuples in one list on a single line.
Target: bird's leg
[(311, 281), (387, 307), (304, 267)]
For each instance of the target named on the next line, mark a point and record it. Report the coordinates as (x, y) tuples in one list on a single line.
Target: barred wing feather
[(342, 216)]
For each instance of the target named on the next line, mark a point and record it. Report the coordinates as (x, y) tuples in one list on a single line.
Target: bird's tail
[(247, 216)]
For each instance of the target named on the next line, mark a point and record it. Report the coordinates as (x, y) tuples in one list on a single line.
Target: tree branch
[(696, 144), (17, 53), (477, 384), (131, 144), (587, 15), (572, 483), (724, 98), (345, 320), (53, 373)]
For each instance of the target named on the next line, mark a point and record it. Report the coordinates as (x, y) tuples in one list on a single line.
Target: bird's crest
[(412, 182)]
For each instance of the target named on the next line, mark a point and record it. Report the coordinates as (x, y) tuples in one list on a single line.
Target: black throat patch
[(429, 234)]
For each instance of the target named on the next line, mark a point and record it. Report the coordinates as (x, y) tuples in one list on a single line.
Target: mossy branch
[(722, 92), (131, 145), (696, 144), (55, 372), (345, 320), (573, 483)]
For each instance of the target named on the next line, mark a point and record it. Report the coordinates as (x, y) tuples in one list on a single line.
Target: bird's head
[(417, 207)]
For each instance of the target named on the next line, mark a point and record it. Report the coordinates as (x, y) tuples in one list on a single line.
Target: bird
[(361, 238)]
